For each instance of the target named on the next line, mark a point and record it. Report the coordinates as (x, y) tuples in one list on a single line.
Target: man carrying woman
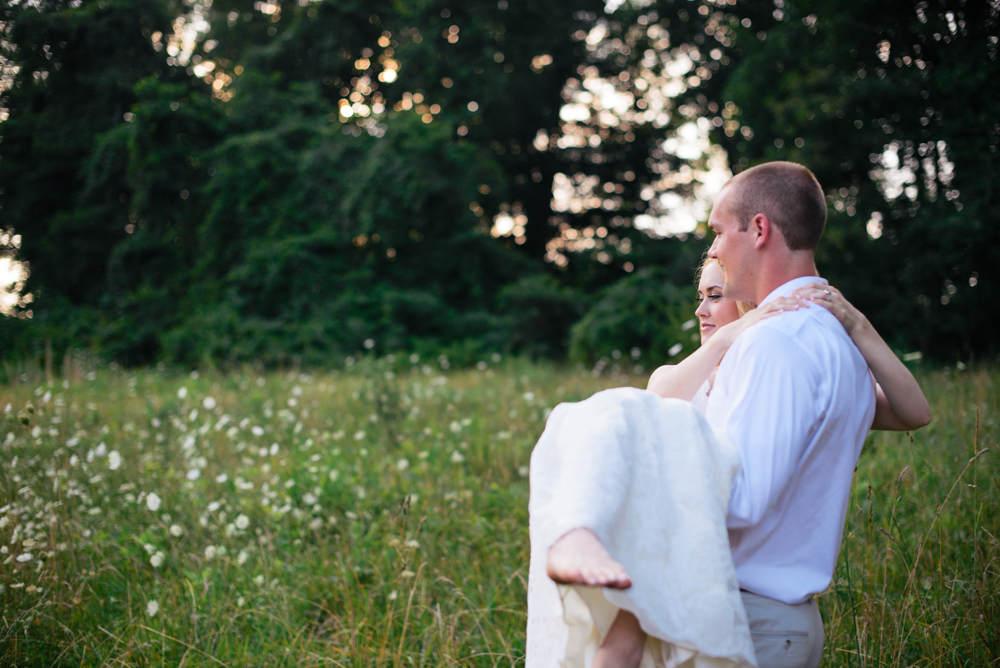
[(709, 536)]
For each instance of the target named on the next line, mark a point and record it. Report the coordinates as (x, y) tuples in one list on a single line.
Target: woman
[(578, 556)]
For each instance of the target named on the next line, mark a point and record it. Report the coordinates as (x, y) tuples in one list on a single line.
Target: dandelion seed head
[(153, 501), (152, 608), (156, 560), (182, 393), (208, 403), (241, 558), (176, 530), (242, 522)]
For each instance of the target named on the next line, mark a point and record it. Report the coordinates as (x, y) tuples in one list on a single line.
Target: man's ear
[(762, 229)]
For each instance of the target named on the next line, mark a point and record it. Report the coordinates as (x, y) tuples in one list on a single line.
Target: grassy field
[(377, 516)]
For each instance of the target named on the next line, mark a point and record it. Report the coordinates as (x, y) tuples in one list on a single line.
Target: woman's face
[(713, 310)]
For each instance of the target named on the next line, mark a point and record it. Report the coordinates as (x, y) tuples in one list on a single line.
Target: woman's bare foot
[(623, 645), (579, 558)]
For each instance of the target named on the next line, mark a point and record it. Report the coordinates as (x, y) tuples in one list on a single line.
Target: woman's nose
[(702, 310)]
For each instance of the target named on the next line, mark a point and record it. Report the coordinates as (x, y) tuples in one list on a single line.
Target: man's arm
[(772, 413)]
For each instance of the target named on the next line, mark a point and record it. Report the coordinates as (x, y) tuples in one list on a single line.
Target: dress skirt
[(652, 480)]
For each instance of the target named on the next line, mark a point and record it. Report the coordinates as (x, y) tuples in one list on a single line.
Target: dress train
[(652, 480)]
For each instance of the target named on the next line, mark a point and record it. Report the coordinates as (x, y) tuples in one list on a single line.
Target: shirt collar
[(791, 286)]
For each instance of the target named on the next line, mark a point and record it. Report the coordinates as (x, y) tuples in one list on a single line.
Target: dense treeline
[(235, 180)]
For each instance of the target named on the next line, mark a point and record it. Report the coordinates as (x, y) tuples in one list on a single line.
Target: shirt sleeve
[(772, 413)]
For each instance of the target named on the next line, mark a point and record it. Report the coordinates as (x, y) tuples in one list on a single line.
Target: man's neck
[(779, 270)]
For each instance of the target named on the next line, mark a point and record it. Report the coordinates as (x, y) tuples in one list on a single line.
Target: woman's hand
[(833, 301), (727, 334), (899, 403)]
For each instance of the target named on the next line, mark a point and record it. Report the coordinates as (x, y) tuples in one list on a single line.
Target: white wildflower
[(36, 431), (334, 474), (455, 426), (407, 573), (188, 442), (114, 460), (241, 601), (457, 457), (529, 396), (412, 543), (74, 460), (152, 608), (522, 471), (242, 522), (402, 464), (209, 403), (393, 595), (211, 552), (193, 474), (181, 393), (241, 558), (156, 560), (4, 521), (316, 524), (27, 556), (153, 501), (259, 580), (257, 430), (176, 530), (274, 449), (101, 450), (358, 435)]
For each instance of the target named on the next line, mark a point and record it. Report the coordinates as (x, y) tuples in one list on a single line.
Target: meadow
[(376, 515)]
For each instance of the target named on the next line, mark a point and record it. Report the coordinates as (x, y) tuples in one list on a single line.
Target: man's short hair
[(788, 194)]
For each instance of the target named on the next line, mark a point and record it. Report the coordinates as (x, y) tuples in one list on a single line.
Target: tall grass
[(377, 516)]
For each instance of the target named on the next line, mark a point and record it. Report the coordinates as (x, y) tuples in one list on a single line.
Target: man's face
[(733, 248)]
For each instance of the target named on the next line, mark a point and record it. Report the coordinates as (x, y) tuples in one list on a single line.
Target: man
[(796, 397)]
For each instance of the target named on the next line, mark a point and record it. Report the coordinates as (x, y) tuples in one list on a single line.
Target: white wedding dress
[(652, 479)]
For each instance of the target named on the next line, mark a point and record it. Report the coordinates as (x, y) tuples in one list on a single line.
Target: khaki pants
[(784, 636)]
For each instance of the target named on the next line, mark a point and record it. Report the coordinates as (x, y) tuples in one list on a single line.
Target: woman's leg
[(623, 645), (579, 558)]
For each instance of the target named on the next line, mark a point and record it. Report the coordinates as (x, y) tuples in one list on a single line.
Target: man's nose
[(712, 250)]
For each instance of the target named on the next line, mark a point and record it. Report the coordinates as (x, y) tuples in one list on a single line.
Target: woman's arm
[(900, 404), (681, 381)]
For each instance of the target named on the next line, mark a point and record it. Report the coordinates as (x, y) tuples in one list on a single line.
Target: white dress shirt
[(796, 397)]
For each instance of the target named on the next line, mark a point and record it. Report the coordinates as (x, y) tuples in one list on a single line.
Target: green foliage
[(378, 517), (222, 205), (645, 312), (841, 86)]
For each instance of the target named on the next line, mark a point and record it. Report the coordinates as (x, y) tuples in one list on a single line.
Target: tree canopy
[(235, 181)]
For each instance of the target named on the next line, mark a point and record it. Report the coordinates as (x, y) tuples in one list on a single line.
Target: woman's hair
[(742, 307)]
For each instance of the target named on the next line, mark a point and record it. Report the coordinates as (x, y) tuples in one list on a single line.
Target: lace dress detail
[(652, 480)]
